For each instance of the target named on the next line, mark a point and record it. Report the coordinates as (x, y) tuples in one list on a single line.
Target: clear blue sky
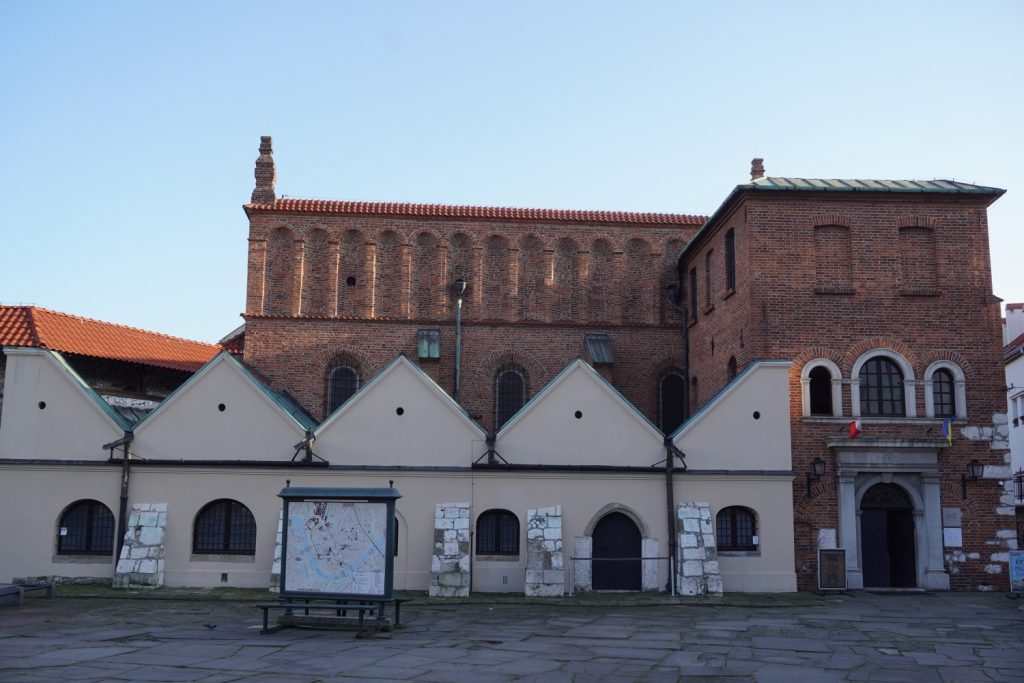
[(130, 129)]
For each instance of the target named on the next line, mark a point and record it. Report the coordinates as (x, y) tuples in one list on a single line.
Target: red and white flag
[(854, 429)]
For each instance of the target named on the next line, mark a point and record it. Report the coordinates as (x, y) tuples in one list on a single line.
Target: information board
[(337, 547), (1017, 571), (831, 569)]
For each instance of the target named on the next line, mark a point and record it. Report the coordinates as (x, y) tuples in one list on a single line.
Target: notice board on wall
[(832, 569)]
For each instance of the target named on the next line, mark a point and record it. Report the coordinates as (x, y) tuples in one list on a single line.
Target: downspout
[(675, 295), (122, 513), (459, 287)]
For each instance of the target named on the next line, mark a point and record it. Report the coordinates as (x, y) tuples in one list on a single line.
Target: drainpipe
[(675, 296), (459, 287), (122, 514)]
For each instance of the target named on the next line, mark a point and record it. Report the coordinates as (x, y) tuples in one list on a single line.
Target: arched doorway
[(615, 537), (887, 538)]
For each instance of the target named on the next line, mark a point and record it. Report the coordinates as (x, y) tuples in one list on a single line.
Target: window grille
[(224, 527), (881, 388), (343, 382), (86, 528), (942, 393), (510, 395), (497, 533), (735, 529)]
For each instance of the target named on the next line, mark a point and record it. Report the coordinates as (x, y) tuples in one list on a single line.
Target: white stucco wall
[(190, 426), (726, 435), (609, 431), (70, 427), (432, 430)]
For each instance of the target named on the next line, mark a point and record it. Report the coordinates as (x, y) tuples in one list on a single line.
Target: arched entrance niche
[(888, 548), (616, 537)]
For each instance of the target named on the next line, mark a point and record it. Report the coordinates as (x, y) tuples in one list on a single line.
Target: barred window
[(342, 383), (881, 388), (86, 528), (730, 260), (942, 393), (224, 527), (497, 533), (509, 394), (736, 529)]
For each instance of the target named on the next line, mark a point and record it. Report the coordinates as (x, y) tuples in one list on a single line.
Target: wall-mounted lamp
[(817, 470), (975, 471), (1018, 484)]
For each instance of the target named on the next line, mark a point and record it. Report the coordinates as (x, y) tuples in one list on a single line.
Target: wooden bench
[(340, 607)]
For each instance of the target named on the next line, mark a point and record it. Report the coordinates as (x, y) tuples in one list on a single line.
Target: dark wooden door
[(888, 559), (616, 552)]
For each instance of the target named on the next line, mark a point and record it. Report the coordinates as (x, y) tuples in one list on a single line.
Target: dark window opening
[(343, 382), (671, 391), (736, 529), (509, 395), (86, 528), (881, 388), (943, 394), (497, 533), (730, 260), (731, 370), (693, 293), (821, 391), (708, 283), (224, 527), (599, 346)]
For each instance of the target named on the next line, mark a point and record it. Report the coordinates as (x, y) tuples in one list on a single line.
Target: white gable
[(745, 427), (432, 430), (189, 424), (609, 430), (49, 413)]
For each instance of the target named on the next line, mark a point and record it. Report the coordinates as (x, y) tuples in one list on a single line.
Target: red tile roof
[(491, 212), (45, 329), (1014, 348), (1014, 307)]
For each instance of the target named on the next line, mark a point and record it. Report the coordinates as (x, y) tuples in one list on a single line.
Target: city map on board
[(336, 547)]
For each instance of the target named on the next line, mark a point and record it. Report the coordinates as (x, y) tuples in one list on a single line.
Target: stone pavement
[(852, 637)]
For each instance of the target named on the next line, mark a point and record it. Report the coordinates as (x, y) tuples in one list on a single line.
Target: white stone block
[(1006, 511), (1006, 533), (1001, 557), (711, 567), (705, 526), (139, 552), (451, 549), (694, 554), (994, 568), (690, 586), (689, 512), (973, 556), (552, 534), (159, 507), (464, 564), (555, 522), (461, 523), (151, 535), (692, 525), (557, 560), (693, 568), (997, 472), (714, 585), (687, 541), (827, 538), (149, 518), (709, 541), (147, 567)]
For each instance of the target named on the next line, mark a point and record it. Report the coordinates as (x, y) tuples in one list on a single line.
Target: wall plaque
[(831, 569)]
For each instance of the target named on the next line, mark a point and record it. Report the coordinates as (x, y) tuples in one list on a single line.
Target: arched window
[(821, 391), (497, 533), (731, 369), (342, 382), (509, 394), (943, 396), (224, 527), (881, 388), (671, 390), (86, 528), (736, 529)]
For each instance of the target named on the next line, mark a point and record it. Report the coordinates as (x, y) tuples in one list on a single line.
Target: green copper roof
[(850, 185)]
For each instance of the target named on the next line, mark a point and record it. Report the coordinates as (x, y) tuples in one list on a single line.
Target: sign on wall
[(1017, 571), (831, 569), (338, 543)]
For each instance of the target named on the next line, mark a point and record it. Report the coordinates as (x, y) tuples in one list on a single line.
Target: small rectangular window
[(599, 346), (693, 293), (428, 344), (730, 261)]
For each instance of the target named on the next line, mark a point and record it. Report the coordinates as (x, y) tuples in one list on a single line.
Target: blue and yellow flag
[(947, 429)]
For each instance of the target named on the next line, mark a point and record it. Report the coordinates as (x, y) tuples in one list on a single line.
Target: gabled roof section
[(481, 212), (82, 386), (578, 365), (724, 392), (32, 326), (1014, 349), (282, 402), (417, 372)]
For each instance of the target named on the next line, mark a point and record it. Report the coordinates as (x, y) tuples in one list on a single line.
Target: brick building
[(879, 292)]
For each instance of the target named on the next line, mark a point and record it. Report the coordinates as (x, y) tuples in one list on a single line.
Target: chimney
[(756, 169), (265, 174)]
